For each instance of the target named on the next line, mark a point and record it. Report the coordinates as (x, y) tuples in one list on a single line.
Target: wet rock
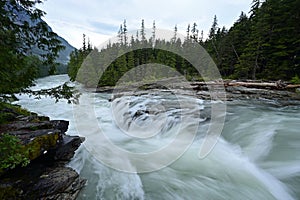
[(41, 181), (66, 149), (61, 125), (49, 149), (246, 93), (57, 183), (25, 125), (245, 90), (139, 113)]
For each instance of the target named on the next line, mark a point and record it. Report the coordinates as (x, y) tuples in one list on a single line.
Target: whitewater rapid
[(256, 157)]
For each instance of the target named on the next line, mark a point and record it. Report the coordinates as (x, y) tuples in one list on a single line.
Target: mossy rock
[(40, 144), (8, 112), (22, 152)]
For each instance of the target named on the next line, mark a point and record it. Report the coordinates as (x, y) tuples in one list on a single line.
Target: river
[(256, 157)]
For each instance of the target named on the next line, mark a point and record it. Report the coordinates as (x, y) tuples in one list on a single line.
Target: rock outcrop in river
[(49, 149)]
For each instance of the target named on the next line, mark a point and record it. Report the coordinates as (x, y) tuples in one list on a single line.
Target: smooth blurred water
[(256, 157)]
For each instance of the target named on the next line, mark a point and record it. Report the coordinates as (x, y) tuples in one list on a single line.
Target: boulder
[(66, 149), (49, 149), (56, 183), (41, 182)]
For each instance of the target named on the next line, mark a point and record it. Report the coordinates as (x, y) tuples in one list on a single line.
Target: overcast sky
[(100, 19)]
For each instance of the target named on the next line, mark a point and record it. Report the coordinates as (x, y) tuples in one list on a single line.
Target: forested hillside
[(263, 44)]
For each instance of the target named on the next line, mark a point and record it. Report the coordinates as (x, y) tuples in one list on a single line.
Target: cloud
[(73, 33), (103, 28), (102, 18)]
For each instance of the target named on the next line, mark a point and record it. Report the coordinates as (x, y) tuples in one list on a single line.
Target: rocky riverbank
[(282, 92), (49, 149), (250, 90)]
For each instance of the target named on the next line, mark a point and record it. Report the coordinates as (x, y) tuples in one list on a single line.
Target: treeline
[(77, 57), (112, 62), (264, 45)]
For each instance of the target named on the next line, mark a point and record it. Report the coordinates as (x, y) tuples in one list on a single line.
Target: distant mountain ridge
[(21, 17), (64, 55)]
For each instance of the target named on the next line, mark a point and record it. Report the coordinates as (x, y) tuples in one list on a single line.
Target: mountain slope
[(20, 16), (64, 55)]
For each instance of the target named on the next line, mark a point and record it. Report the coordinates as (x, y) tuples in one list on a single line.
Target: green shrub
[(295, 80), (12, 152)]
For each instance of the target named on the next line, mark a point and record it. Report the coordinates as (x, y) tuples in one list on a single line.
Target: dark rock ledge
[(50, 149)]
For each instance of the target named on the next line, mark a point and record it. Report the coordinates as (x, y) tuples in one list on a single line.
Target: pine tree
[(89, 46), (188, 33), (213, 28), (77, 58), (236, 40), (137, 39), (201, 38), (153, 34), (125, 33), (211, 42), (143, 34), (194, 32), (174, 38), (254, 8), (84, 48), (18, 37), (120, 34)]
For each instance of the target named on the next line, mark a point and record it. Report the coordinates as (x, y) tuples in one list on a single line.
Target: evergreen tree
[(18, 36), (194, 32), (143, 34), (120, 34), (125, 33), (201, 38), (84, 48), (213, 28), (188, 33), (175, 35), (137, 37), (153, 34), (77, 57), (89, 46), (211, 42)]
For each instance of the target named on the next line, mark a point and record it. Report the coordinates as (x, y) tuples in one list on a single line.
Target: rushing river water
[(256, 157)]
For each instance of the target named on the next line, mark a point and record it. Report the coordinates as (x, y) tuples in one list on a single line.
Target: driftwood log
[(251, 84)]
